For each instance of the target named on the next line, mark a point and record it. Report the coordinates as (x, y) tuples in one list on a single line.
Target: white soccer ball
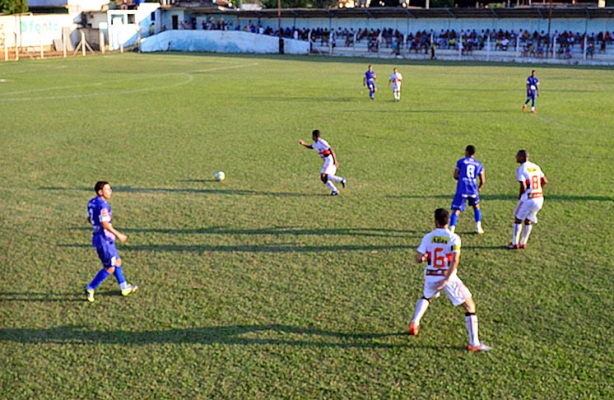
[(220, 176)]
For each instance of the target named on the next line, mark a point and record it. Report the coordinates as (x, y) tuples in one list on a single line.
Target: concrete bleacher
[(537, 18), (511, 55), (516, 52)]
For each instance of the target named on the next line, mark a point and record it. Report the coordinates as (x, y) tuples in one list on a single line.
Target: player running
[(468, 172), (440, 249), (369, 81), (532, 91), (396, 79), (532, 181), (99, 215), (327, 173)]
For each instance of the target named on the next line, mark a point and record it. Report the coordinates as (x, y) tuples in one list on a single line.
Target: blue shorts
[(461, 199), (371, 85), (107, 252), (531, 94)]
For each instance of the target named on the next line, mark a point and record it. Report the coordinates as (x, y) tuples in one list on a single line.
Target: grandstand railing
[(486, 48)]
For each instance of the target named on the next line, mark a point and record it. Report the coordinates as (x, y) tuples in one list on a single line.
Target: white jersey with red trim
[(322, 147), (532, 175), (439, 246), (396, 79)]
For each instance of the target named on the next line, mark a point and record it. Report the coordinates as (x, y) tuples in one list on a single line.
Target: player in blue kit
[(532, 91), (468, 172), (100, 216), (369, 81)]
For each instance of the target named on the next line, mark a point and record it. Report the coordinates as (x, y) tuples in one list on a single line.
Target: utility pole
[(549, 22), (281, 38)]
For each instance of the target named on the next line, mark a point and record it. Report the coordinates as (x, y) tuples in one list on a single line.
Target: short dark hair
[(470, 150), (442, 216), (316, 133), (100, 185), (532, 71), (523, 153)]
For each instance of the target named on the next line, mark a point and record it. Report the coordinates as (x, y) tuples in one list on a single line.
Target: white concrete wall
[(220, 42), (166, 20), (144, 17), (32, 31)]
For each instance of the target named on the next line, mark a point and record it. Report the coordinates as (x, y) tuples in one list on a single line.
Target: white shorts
[(528, 209), (329, 166), (456, 290)]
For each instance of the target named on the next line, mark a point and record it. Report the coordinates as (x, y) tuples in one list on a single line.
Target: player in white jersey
[(327, 173), (396, 80), (532, 181), (440, 249)]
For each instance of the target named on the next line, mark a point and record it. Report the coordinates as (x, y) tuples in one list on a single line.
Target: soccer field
[(264, 286)]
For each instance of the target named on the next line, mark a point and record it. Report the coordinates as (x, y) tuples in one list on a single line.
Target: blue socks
[(119, 275), (98, 279), (477, 214), (103, 274), (453, 219)]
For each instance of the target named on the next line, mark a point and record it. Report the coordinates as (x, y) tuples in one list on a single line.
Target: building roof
[(411, 13)]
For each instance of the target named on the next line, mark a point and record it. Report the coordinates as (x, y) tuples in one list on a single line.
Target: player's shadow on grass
[(39, 297), (490, 197), (506, 197), (278, 231), (242, 335), (269, 248), (233, 192)]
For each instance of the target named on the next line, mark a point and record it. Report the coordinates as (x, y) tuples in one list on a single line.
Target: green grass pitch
[(264, 286)]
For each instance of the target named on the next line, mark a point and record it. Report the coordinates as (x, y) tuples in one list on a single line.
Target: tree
[(272, 4), (442, 3), (13, 6), (384, 3), (324, 3)]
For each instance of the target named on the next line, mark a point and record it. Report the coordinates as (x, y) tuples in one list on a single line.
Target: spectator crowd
[(530, 44)]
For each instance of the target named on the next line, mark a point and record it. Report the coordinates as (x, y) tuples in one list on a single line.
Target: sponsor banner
[(33, 30)]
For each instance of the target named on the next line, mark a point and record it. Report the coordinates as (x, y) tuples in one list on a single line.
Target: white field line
[(187, 74), (558, 123), (23, 71)]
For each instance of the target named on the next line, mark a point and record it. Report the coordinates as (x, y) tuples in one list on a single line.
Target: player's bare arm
[(303, 143), (482, 179), (544, 181), (420, 258), (451, 270), (122, 238), (334, 157), (456, 174), (523, 188)]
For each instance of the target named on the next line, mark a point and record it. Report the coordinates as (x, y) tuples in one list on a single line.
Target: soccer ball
[(220, 176)]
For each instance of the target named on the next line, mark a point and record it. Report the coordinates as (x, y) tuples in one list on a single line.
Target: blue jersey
[(370, 77), (468, 171), (532, 83), (99, 211)]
